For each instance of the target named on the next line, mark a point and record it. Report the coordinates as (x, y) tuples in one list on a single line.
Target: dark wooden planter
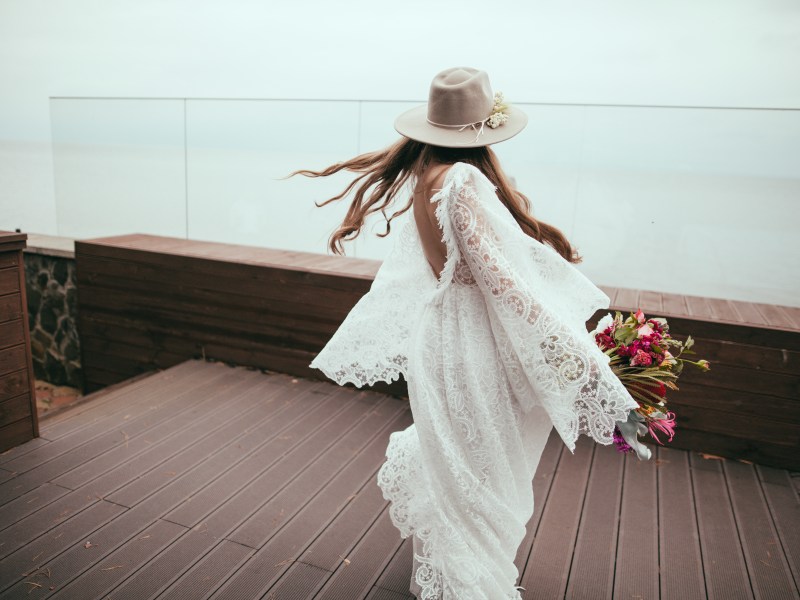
[(18, 418)]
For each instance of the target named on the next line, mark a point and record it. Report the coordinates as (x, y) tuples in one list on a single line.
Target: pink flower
[(639, 315), (642, 358), (665, 425), (645, 330)]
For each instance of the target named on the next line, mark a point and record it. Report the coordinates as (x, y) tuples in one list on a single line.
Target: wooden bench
[(148, 302)]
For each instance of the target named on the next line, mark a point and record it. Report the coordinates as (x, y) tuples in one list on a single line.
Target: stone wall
[(52, 317)]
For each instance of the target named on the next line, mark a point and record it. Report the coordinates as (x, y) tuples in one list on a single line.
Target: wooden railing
[(148, 302)]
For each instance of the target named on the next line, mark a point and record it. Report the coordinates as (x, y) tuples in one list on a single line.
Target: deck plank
[(679, 541), (174, 487), (793, 313), (206, 570), (6, 475), (288, 544), (750, 313), (651, 301), (724, 309), (627, 300), (28, 503), (784, 505), (348, 436), (775, 315), (547, 568), (379, 593), (234, 483), (725, 570), (636, 574), (108, 400), (264, 473), (674, 304), (770, 574), (105, 576), (139, 455), (75, 529), (335, 543), (397, 574), (103, 434), (592, 570), (700, 308), (355, 576)]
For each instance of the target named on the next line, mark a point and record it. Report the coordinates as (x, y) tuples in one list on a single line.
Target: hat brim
[(414, 124)]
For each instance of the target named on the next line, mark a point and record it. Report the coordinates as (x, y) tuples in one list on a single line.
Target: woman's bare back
[(429, 182)]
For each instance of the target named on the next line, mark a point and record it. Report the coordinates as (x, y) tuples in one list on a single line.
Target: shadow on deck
[(210, 481)]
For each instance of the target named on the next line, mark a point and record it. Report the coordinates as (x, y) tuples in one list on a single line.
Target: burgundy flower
[(642, 358), (605, 341)]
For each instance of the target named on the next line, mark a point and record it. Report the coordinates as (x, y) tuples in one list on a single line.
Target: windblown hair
[(382, 174)]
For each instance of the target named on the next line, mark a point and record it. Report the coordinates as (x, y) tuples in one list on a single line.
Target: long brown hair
[(383, 173)]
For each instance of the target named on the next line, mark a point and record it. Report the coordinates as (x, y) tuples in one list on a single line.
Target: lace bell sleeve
[(370, 345), (538, 305)]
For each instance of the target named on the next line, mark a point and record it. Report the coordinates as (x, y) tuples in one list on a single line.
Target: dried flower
[(497, 119), (498, 116)]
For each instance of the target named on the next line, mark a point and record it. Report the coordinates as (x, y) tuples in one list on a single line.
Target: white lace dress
[(495, 354)]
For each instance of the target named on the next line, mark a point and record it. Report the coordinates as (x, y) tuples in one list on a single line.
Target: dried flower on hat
[(498, 116)]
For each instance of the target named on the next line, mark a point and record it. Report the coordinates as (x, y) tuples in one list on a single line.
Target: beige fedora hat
[(462, 112)]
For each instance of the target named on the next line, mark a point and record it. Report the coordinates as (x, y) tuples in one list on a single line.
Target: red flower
[(605, 341), (641, 358)]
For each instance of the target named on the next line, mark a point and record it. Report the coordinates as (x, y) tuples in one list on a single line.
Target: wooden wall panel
[(18, 419)]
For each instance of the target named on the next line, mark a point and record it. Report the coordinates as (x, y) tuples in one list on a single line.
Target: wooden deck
[(211, 481)]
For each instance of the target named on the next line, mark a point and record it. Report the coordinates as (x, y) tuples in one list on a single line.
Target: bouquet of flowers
[(639, 354)]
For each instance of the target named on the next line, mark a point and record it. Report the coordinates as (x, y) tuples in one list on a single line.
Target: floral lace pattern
[(495, 353)]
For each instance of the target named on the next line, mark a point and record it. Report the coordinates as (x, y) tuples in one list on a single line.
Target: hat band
[(463, 127)]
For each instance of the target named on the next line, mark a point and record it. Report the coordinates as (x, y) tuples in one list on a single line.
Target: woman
[(479, 307)]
